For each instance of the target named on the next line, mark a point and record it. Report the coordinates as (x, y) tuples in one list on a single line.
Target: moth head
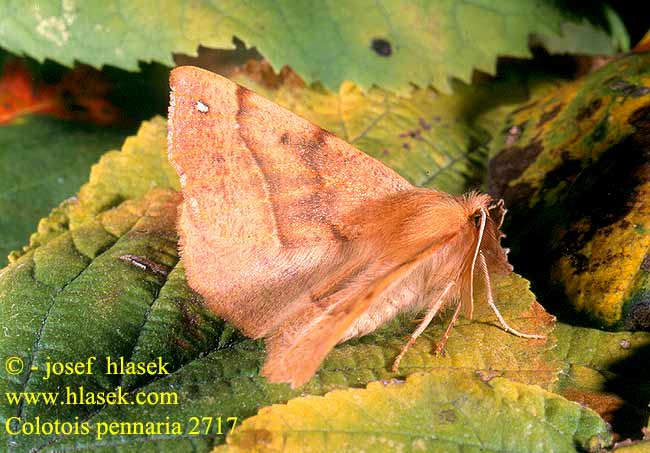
[(487, 218)]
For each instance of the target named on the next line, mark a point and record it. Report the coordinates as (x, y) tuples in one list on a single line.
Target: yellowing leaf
[(480, 345), (442, 411), (572, 165)]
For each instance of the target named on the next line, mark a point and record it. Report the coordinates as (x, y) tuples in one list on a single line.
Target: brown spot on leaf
[(605, 404), (628, 89), (588, 110), (580, 263), (638, 315), (424, 125), (509, 164), (640, 118), (487, 375), (549, 115), (524, 108), (447, 416)]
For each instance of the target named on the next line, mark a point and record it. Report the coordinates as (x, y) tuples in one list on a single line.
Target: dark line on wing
[(242, 95), (312, 147)]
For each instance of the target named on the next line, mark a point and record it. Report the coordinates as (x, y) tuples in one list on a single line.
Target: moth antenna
[(443, 341), (476, 252), (435, 307), (490, 300)]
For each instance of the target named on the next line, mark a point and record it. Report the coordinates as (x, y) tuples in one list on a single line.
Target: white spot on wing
[(201, 107)]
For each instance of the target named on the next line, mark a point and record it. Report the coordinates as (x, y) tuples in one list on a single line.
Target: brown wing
[(265, 197), (301, 342)]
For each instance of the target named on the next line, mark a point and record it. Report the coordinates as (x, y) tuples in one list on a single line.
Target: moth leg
[(490, 300), (443, 341), (435, 307)]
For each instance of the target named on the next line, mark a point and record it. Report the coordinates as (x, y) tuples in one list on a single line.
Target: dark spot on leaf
[(381, 47), (588, 110), (447, 416), (182, 343), (580, 263), (189, 319), (424, 125), (627, 89), (600, 131), (487, 375), (509, 164), (385, 152), (523, 108), (641, 118), (549, 115), (415, 133), (624, 224), (638, 315), (563, 174), (437, 119), (406, 146)]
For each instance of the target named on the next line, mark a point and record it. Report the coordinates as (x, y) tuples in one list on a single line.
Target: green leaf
[(122, 175), (606, 371), (387, 43), (129, 173), (572, 167), (445, 410), (43, 161)]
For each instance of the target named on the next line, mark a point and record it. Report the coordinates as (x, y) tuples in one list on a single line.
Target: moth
[(297, 237)]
